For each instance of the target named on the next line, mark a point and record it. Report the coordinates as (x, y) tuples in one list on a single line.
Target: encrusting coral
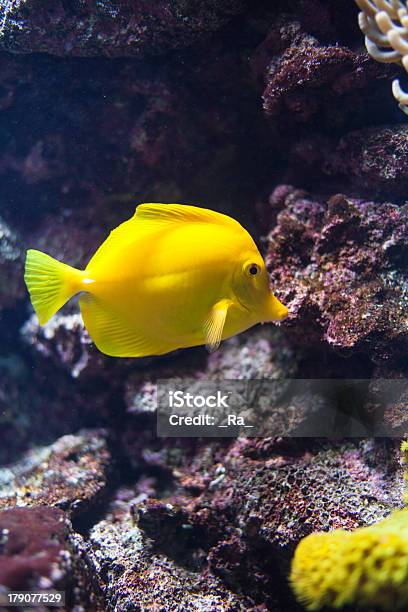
[(364, 568), (385, 26), (404, 461)]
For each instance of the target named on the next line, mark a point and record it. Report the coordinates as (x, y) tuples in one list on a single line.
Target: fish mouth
[(276, 311), (282, 313)]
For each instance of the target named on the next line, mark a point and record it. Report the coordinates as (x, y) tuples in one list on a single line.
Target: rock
[(117, 28), (375, 159), (227, 531), (63, 338), (36, 554), (71, 474), (132, 573), (14, 426), (304, 77), (38, 535), (280, 496), (39, 404), (109, 142), (390, 385), (296, 81), (317, 85), (261, 353), (11, 263), (339, 266), (289, 486)]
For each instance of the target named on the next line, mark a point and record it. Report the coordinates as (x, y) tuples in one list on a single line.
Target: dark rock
[(11, 263), (227, 531), (114, 28), (375, 159), (330, 20), (389, 386), (32, 547), (340, 268), (317, 85), (261, 353), (112, 140), (296, 81), (132, 575), (304, 78), (289, 488), (36, 554), (43, 402), (71, 474)]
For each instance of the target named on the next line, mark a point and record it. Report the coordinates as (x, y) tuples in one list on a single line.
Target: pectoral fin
[(214, 324)]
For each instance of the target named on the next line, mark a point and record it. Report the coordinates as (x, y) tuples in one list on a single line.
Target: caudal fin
[(50, 283)]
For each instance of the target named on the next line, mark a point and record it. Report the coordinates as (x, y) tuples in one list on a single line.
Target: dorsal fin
[(149, 218), (182, 213)]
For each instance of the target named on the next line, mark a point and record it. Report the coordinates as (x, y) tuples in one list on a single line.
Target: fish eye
[(252, 269)]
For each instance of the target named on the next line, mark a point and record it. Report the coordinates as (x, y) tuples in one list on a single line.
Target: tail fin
[(50, 283)]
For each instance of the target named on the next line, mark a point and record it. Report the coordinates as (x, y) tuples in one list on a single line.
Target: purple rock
[(339, 266), (114, 28)]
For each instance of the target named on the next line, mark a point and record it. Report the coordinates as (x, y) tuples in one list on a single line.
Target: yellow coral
[(404, 461), (365, 567)]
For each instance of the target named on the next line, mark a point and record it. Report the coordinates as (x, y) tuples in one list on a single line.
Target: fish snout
[(276, 310), (282, 313)]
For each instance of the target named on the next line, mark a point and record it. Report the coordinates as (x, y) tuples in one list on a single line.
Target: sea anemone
[(385, 26)]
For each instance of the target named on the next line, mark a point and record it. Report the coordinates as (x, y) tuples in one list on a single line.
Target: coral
[(339, 266), (115, 28), (385, 25), (404, 461), (366, 567)]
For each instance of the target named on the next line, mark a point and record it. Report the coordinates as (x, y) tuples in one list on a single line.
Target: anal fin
[(113, 336)]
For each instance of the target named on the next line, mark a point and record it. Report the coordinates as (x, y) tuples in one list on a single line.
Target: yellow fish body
[(172, 276)]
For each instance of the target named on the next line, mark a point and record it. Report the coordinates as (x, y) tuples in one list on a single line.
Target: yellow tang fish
[(172, 276)]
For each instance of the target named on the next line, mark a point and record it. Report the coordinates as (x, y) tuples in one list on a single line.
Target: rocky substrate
[(214, 531)]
